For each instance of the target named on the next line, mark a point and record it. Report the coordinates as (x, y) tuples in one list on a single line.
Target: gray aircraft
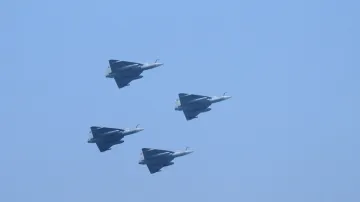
[(124, 72), (192, 105), (105, 137), (156, 159)]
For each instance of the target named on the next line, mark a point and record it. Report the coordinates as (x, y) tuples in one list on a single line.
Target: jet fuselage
[(129, 70), (115, 134), (216, 99), (164, 157), (204, 100)]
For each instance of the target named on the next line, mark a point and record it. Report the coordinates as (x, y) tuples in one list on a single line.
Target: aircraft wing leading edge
[(148, 153), (96, 130), (117, 64), (185, 98)]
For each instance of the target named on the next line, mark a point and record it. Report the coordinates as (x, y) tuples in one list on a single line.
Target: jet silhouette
[(105, 137), (156, 159), (124, 72), (192, 105)]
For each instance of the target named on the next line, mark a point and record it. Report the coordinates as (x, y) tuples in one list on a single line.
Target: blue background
[(290, 132)]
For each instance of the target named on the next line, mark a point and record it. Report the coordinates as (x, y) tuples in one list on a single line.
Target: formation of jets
[(124, 72)]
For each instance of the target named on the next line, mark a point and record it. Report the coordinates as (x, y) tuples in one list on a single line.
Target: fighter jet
[(105, 137), (192, 105), (124, 72), (156, 159)]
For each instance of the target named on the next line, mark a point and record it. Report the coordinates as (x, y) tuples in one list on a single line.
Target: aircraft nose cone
[(140, 129), (159, 64), (227, 97)]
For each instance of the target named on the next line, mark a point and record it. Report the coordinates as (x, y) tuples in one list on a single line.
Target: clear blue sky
[(290, 132)]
